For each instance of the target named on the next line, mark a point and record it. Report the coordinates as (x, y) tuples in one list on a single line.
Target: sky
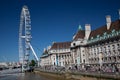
[(51, 21)]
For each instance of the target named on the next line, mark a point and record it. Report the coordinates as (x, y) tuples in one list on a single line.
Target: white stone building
[(57, 55), (100, 47), (78, 46), (104, 44), (45, 58), (60, 54)]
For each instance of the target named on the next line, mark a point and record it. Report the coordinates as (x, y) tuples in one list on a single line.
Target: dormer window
[(98, 36), (113, 30), (91, 37), (105, 33)]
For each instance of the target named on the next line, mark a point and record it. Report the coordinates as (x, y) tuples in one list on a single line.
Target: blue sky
[(52, 21)]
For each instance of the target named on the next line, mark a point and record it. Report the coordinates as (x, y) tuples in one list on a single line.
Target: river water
[(22, 76), (14, 75), (9, 75)]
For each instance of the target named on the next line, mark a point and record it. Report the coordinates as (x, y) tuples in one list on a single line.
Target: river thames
[(22, 76), (15, 74), (11, 74)]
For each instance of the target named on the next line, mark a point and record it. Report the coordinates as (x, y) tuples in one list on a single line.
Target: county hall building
[(99, 47)]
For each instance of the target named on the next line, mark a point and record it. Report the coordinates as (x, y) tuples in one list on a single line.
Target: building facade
[(99, 47), (79, 49), (57, 55), (104, 44), (60, 54), (44, 59)]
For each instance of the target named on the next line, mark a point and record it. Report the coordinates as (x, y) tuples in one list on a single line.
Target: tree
[(32, 63)]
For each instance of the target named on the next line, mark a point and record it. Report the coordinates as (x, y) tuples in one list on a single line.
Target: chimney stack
[(108, 21), (87, 30), (44, 49)]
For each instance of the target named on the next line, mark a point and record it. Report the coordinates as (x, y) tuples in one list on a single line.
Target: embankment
[(71, 76)]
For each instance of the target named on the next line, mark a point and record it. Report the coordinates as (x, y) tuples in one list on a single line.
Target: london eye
[(25, 46)]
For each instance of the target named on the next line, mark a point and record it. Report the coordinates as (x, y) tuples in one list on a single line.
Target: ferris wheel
[(25, 46)]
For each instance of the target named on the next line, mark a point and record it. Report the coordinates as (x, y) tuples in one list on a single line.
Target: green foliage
[(32, 63)]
